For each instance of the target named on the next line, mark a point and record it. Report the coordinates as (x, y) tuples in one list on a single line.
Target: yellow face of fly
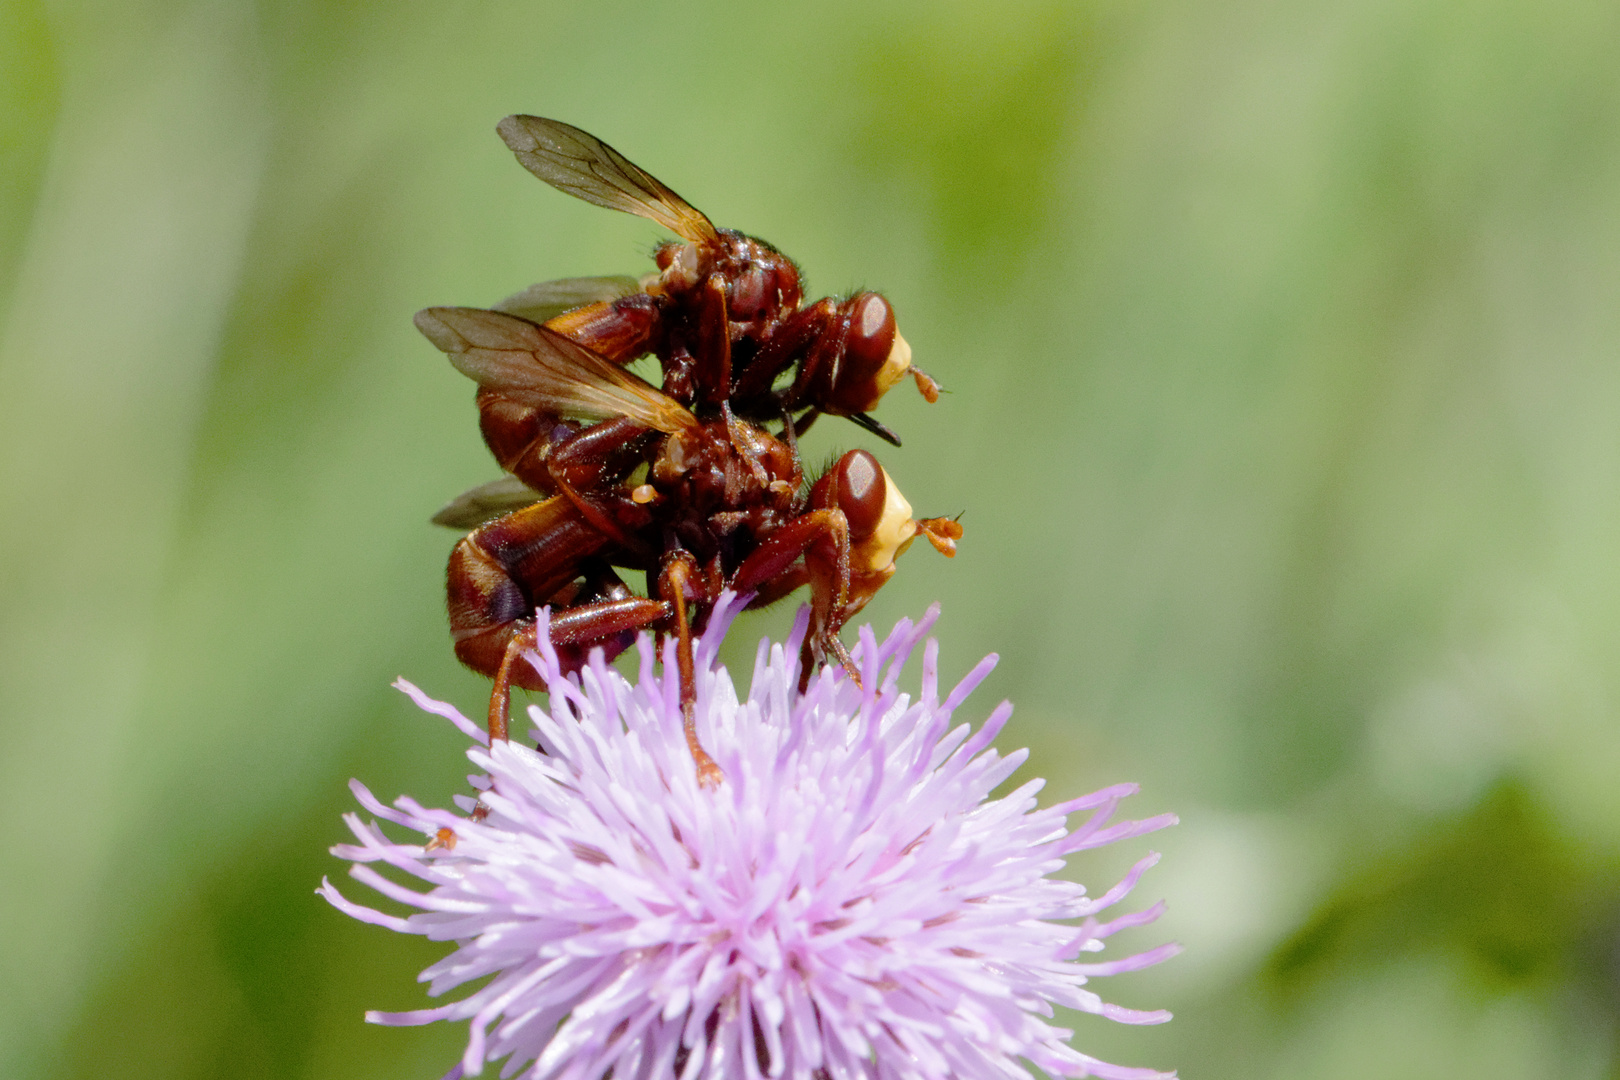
[(894, 533)]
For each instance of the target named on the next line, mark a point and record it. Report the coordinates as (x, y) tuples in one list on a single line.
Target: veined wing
[(585, 167), (542, 368), (486, 502), (548, 299)]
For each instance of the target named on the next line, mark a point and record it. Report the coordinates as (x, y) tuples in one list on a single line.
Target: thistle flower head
[(849, 903)]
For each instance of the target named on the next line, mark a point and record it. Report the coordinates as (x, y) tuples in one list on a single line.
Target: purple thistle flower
[(849, 902)]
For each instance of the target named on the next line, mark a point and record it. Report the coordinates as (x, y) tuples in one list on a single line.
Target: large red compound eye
[(862, 492), (875, 356), (871, 334)]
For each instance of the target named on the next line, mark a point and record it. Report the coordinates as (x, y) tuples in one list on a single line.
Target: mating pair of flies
[(683, 483)]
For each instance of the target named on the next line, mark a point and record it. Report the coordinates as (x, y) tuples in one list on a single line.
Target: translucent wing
[(549, 299), (587, 168), (540, 367), (486, 502)]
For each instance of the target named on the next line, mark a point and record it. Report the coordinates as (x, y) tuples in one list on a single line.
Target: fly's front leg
[(779, 587), (785, 346), (821, 538), (806, 418), (818, 369)]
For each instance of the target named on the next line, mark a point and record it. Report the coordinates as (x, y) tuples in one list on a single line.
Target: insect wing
[(585, 167), (548, 299), (542, 368), (486, 502)]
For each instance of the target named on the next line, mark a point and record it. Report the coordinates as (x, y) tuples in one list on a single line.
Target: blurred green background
[(1283, 343)]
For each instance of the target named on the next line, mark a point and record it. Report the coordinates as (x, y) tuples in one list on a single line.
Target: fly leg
[(501, 571), (583, 624), (713, 344), (593, 459), (822, 538), (785, 347), (678, 578), (593, 623)]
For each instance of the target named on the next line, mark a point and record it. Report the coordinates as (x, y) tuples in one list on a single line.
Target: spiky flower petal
[(849, 903)]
